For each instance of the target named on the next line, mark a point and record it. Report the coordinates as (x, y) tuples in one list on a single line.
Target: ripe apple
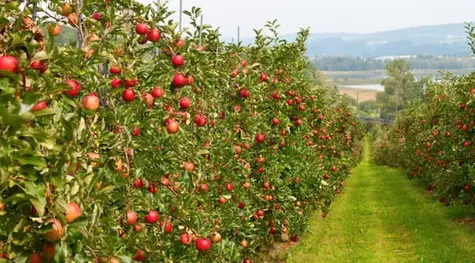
[(131, 83), (96, 16), (222, 200), (56, 232), (153, 35), (179, 80), (229, 187), (40, 106), (260, 138), (139, 255), (190, 80), (172, 126), (203, 244), (54, 29), (244, 63), (275, 121), (142, 29), (241, 205), (263, 77), (152, 217), (73, 19), (244, 93), (9, 63), (180, 43), (138, 183), (136, 131), (115, 83), (275, 95), (131, 218), (204, 187), (168, 227), (148, 100), (158, 92), (235, 73), (186, 239), (216, 237), (178, 60), (75, 88), (247, 260), (36, 258), (189, 166), (49, 250), (324, 215), (40, 66), (72, 212), (91, 102), (115, 70), (200, 120), (185, 103), (244, 243), (246, 185), (128, 95)]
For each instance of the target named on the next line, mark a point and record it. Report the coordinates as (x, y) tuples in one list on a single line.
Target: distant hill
[(447, 39)]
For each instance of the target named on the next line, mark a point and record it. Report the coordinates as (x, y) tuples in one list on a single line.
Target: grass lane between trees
[(384, 217)]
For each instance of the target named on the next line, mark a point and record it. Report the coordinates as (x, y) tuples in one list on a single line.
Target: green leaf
[(34, 160)]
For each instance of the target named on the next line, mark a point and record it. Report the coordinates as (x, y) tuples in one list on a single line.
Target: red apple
[(153, 35), (203, 244), (115, 83), (75, 88), (56, 232), (136, 131), (115, 70), (186, 239), (185, 103), (96, 16), (180, 43), (9, 63), (172, 126), (260, 138), (244, 93), (152, 217), (40, 66), (275, 121), (91, 102), (36, 258), (158, 92), (131, 218), (142, 29), (168, 227), (39, 106), (131, 83), (229, 187), (179, 80), (189, 166), (72, 212), (128, 94), (148, 100), (139, 255), (200, 120), (178, 60)]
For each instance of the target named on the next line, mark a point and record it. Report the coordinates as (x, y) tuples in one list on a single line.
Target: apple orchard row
[(114, 152)]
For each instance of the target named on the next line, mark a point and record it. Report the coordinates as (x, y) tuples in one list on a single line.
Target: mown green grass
[(384, 217)]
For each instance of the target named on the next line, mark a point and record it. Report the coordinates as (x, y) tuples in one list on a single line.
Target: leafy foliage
[(85, 163)]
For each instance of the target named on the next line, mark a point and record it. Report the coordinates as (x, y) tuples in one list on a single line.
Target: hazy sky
[(328, 15)]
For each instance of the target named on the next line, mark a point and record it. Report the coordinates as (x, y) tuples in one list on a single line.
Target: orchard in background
[(136, 143)]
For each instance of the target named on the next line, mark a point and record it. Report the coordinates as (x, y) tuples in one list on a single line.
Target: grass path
[(384, 217)]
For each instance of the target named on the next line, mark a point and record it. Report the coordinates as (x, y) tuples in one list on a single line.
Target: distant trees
[(419, 62), (400, 87)]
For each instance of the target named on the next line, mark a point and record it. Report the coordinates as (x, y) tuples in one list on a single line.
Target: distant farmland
[(368, 94)]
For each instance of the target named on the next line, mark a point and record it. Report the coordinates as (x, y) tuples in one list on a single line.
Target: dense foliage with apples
[(433, 140), (140, 144)]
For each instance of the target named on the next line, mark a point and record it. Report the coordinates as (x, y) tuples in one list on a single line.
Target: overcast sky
[(356, 16)]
